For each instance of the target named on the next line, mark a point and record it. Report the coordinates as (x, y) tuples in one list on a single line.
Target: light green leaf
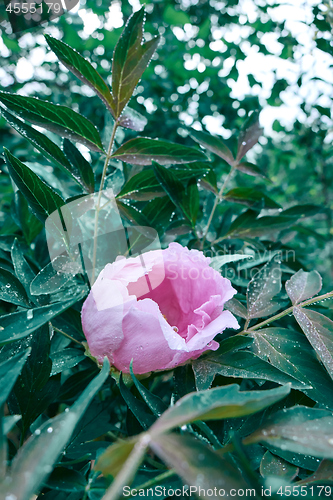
[(303, 286), (58, 119), (264, 285), (132, 119), (271, 465), (218, 262)]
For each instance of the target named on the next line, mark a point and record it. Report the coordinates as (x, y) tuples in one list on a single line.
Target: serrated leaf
[(34, 462), (250, 197), (264, 285), (218, 403), (9, 371), (319, 332), (249, 135), (303, 286), (143, 151), (250, 169), (130, 59), (20, 324), (81, 68), (42, 199), (58, 119), (198, 465), (11, 290), (132, 119), (300, 429), (214, 144), (81, 168)]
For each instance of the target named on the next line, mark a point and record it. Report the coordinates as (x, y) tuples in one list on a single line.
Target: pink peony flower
[(161, 309)]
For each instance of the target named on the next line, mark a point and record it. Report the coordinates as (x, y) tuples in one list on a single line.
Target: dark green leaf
[(319, 332), (143, 151), (264, 285), (249, 135), (300, 430), (247, 225), (66, 359), (271, 465), (49, 280), (250, 169), (28, 223), (42, 199), (321, 475), (20, 324), (58, 119), (81, 168), (9, 371), (69, 480), (250, 197), (303, 286), (130, 59), (302, 211), (155, 404), (36, 458), (132, 214), (22, 269), (198, 465), (218, 403), (290, 352), (11, 290), (159, 212), (81, 68), (137, 407), (214, 144)]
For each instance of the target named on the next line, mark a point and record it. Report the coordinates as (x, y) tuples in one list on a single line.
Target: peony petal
[(225, 320)]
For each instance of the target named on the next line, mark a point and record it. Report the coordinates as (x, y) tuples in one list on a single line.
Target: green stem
[(98, 208), (287, 311), (155, 480), (66, 335), (216, 202)]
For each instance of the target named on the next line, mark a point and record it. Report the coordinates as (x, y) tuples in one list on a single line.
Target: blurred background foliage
[(202, 77)]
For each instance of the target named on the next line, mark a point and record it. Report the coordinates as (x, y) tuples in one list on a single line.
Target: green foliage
[(257, 412)]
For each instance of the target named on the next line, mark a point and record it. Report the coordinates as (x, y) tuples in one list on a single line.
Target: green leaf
[(323, 474), (11, 290), (264, 285), (21, 324), (300, 430), (303, 286), (132, 119), (302, 211), (80, 167), (155, 404), (69, 480), (249, 135), (159, 212), (113, 459), (22, 269), (250, 197), (132, 214), (247, 225), (28, 223), (250, 169), (49, 280), (143, 151), (33, 391), (319, 332), (271, 465), (218, 403), (58, 119), (290, 352), (214, 144), (190, 202), (137, 407), (9, 371), (240, 364), (42, 199), (218, 262), (66, 359), (130, 59), (236, 307), (81, 68), (198, 465), (34, 462)]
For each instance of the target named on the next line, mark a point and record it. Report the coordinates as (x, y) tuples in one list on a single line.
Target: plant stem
[(287, 311), (66, 335), (216, 202), (155, 480), (98, 208)]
